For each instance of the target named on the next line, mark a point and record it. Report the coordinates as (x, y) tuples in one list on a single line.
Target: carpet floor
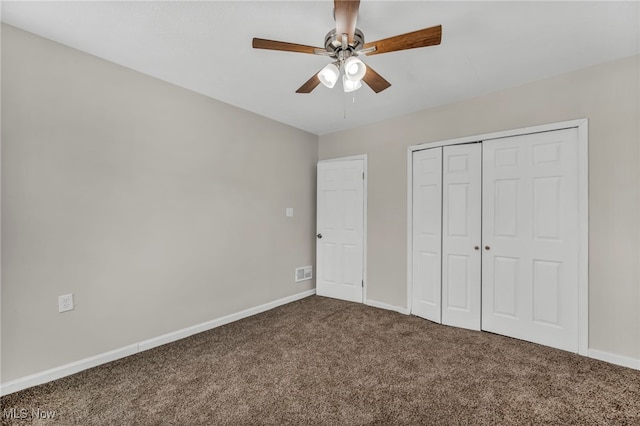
[(329, 362)]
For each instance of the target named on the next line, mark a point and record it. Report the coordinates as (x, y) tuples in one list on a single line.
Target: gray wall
[(608, 95), (157, 207)]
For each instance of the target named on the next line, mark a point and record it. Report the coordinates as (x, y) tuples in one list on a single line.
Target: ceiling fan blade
[(421, 38), (375, 80), (260, 43), (345, 13), (311, 84)]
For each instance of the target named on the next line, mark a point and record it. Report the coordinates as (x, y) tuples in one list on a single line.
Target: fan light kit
[(354, 70), (345, 43)]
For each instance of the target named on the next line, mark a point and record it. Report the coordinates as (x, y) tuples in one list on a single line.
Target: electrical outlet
[(65, 302)]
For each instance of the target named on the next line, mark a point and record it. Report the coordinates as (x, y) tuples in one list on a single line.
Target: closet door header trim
[(502, 134)]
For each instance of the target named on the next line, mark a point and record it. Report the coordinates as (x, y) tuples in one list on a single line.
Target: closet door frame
[(583, 210)]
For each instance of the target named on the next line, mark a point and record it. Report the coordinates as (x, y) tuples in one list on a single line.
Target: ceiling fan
[(345, 43)]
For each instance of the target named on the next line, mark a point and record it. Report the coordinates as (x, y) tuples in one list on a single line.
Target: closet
[(495, 238)]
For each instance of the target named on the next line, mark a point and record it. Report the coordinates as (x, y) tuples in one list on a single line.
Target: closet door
[(427, 233), (530, 238), (461, 235)]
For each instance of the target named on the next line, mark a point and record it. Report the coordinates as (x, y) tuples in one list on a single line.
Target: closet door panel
[(530, 238), (427, 234), (461, 239)]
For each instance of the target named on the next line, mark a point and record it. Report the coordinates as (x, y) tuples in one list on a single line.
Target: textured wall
[(609, 96), (157, 207)]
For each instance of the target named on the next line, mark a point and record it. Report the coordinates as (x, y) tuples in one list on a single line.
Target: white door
[(427, 234), (530, 238), (340, 230), (461, 235)]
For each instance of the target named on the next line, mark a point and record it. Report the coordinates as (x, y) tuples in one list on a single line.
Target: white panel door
[(530, 238), (461, 235), (427, 234), (340, 230)]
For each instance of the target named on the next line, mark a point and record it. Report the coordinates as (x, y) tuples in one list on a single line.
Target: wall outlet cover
[(65, 302)]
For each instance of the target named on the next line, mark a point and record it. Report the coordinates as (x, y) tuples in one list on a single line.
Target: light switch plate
[(289, 212)]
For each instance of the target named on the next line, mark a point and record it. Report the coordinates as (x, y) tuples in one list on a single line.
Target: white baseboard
[(376, 304), (66, 370), (615, 359), (84, 364)]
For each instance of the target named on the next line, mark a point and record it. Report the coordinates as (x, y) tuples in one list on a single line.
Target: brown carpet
[(324, 361)]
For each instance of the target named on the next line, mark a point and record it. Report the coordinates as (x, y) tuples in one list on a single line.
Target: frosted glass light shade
[(350, 85), (329, 75), (354, 68)]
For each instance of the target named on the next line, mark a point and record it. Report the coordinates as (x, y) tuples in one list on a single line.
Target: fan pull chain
[(344, 106), (344, 102)]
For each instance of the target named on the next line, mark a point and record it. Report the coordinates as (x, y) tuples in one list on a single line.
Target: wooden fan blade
[(260, 43), (345, 13), (375, 80), (421, 38), (311, 84)]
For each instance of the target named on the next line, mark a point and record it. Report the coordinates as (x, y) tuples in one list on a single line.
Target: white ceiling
[(206, 47)]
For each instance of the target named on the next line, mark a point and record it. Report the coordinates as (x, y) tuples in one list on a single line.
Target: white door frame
[(583, 209), (362, 157)]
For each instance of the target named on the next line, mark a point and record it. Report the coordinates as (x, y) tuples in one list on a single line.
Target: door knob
[(319, 235), (477, 248), (487, 248)]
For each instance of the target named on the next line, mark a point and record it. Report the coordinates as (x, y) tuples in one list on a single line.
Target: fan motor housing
[(333, 43)]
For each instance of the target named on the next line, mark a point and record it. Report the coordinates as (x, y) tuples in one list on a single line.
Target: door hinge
[(362, 283), (362, 175)]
